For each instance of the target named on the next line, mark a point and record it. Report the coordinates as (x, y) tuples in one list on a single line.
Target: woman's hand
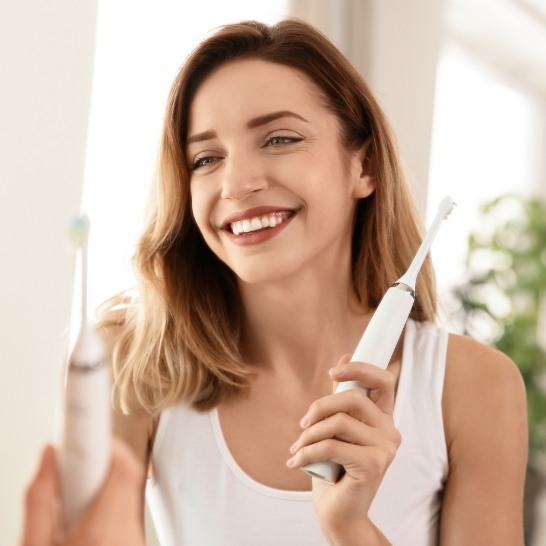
[(356, 430), (113, 519)]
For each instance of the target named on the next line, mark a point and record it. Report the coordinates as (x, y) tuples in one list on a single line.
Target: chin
[(255, 278), (264, 272)]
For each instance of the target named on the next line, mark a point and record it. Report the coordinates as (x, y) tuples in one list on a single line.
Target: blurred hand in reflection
[(114, 518)]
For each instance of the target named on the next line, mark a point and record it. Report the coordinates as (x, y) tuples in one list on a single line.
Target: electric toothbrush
[(385, 328), (85, 445)]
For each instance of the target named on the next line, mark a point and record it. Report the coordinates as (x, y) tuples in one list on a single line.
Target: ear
[(362, 171)]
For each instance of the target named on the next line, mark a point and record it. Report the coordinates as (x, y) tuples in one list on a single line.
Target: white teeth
[(256, 223)]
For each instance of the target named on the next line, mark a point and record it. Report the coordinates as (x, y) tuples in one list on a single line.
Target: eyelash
[(202, 162), (287, 140)]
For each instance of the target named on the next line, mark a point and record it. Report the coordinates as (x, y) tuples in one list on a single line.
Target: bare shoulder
[(480, 371), (468, 357), (136, 429), (483, 389), (485, 418)]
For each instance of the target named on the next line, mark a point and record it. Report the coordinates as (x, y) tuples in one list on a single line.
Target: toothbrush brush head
[(79, 229), (445, 207)]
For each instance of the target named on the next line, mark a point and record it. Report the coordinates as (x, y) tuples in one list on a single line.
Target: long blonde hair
[(178, 339)]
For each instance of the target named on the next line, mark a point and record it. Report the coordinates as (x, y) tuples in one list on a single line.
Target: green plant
[(503, 300)]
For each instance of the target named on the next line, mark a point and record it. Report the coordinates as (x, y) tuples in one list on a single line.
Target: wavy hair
[(178, 339)]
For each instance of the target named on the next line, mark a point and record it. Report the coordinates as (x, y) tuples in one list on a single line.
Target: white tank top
[(199, 496)]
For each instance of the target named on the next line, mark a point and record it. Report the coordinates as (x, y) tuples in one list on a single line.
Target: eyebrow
[(252, 124), (263, 120)]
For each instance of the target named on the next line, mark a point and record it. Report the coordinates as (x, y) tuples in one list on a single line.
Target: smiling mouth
[(259, 223)]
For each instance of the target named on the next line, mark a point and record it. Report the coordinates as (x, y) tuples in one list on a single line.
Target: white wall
[(405, 47), (395, 45), (46, 56)]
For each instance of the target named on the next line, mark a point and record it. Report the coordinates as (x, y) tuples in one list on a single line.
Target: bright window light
[(139, 49), (482, 147)]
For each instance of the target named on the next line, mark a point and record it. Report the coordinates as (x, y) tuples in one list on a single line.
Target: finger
[(360, 462), (40, 517), (341, 427), (380, 383), (345, 359), (354, 402)]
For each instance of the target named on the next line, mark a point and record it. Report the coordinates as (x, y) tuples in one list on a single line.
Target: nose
[(243, 176)]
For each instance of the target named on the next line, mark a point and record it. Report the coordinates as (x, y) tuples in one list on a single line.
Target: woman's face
[(273, 190)]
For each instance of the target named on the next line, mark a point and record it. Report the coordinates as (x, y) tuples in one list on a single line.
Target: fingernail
[(290, 463), (294, 447), (345, 359), (305, 420), (335, 372)]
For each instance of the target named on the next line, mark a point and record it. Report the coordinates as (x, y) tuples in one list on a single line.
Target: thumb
[(345, 359), (40, 517)]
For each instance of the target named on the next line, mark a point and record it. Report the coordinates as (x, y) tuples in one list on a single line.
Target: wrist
[(363, 533)]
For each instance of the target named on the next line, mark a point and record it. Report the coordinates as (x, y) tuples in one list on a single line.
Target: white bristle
[(445, 207)]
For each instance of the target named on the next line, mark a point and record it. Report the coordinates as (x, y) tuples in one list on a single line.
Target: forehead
[(242, 89)]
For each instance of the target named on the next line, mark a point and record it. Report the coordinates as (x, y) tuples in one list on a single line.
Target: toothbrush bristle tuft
[(446, 206), (78, 229)]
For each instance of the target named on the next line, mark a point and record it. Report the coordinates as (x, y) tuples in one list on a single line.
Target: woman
[(280, 217)]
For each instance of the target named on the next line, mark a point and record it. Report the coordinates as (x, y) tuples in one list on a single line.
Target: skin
[(287, 164), (113, 519), (248, 160)]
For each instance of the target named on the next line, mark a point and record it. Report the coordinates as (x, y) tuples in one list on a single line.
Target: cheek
[(198, 207)]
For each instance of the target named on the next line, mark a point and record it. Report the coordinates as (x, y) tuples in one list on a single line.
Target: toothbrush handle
[(375, 347), (85, 448), (385, 328)]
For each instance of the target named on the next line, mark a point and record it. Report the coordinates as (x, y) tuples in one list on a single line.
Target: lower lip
[(257, 237)]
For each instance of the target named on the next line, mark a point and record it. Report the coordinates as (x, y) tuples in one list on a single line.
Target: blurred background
[(83, 89)]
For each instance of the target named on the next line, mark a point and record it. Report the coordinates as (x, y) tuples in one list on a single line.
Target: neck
[(301, 327)]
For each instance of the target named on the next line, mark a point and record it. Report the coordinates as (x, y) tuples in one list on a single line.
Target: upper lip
[(252, 213)]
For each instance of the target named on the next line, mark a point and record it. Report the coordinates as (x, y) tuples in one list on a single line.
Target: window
[(483, 135), (139, 48)]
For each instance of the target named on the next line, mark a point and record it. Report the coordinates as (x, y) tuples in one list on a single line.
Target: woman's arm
[(137, 430), (486, 433)]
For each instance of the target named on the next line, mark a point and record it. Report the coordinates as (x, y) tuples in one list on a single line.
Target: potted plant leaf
[(503, 303)]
